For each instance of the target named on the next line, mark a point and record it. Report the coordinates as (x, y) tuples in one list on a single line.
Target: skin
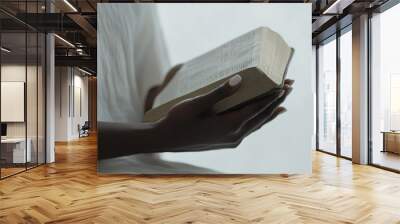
[(192, 125)]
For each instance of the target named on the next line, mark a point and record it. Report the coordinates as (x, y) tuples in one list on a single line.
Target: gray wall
[(71, 86)]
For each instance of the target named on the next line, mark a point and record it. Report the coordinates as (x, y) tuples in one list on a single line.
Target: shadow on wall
[(148, 164)]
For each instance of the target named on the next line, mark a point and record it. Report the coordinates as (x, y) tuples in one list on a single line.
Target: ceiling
[(76, 20)]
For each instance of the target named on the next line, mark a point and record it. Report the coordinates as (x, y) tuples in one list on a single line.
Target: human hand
[(192, 125), (155, 90)]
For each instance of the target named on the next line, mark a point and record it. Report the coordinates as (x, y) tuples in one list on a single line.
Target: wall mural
[(204, 88)]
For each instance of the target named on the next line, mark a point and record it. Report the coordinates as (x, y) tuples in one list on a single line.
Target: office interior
[(48, 81), (43, 101), (376, 77)]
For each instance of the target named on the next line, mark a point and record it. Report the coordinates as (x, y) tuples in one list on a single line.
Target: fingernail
[(235, 80), (290, 81), (281, 110)]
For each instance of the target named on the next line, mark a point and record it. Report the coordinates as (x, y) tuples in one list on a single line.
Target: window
[(394, 102), (327, 97), (385, 89), (346, 94), (334, 138)]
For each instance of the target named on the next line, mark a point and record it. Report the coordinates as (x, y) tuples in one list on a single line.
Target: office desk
[(391, 141), (13, 150)]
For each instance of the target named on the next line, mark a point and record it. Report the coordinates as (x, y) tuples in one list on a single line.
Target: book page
[(226, 60)]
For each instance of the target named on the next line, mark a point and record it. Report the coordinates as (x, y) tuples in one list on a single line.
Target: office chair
[(84, 130)]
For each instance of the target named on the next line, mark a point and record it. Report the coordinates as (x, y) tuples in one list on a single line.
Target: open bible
[(260, 56)]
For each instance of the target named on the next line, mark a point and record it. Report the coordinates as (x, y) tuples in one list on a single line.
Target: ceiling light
[(65, 41), (5, 50), (70, 5), (333, 6), (338, 6), (84, 71), (79, 51)]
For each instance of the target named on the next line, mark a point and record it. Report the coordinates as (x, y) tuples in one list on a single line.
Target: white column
[(50, 92), (360, 90), (50, 99)]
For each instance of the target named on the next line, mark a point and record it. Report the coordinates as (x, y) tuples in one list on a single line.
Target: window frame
[(334, 37)]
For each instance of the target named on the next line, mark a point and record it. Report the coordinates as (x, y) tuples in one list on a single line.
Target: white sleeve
[(131, 59)]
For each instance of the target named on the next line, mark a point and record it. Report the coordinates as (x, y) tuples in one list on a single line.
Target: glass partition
[(327, 96), (14, 153), (22, 77)]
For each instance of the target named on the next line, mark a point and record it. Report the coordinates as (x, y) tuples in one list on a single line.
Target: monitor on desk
[(3, 130)]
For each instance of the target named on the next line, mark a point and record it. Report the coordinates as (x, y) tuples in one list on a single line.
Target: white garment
[(132, 58)]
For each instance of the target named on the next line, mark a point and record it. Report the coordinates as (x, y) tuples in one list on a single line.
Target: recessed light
[(337, 7), (64, 40), (70, 5), (5, 50), (84, 71)]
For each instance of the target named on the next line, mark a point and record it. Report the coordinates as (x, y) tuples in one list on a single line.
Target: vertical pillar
[(50, 92), (92, 99), (360, 90)]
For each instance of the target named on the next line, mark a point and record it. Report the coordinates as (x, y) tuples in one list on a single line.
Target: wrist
[(166, 136)]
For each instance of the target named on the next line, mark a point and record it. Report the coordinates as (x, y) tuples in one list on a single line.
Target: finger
[(259, 121), (288, 90), (274, 98), (289, 82), (171, 73), (151, 95), (276, 113), (246, 126), (249, 111), (207, 101)]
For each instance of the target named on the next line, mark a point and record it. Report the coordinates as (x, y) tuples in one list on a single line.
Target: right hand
[(193, 126)]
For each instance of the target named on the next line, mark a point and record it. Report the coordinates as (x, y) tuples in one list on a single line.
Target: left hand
[(155, 90)]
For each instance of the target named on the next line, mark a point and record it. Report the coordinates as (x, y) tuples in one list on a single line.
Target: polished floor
[(386, 159), (70, 191), (5, 172), (8, 171)]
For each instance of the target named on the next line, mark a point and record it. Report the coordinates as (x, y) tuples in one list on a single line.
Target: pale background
[(283, 145)]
